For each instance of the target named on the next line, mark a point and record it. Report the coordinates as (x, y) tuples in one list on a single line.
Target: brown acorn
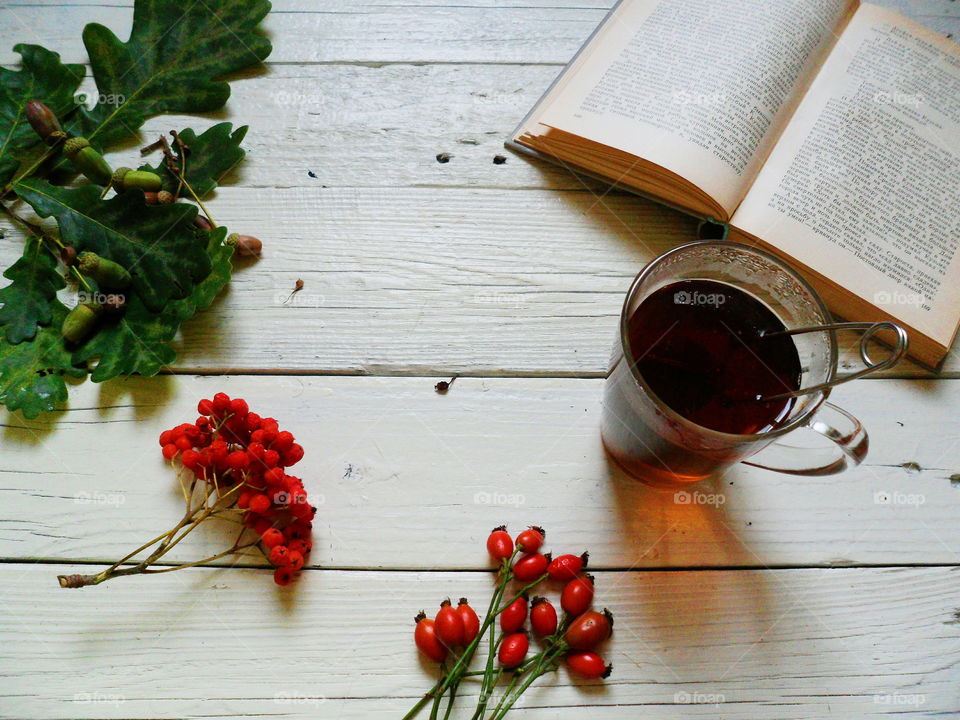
[(201, 222), (43, 121), (245, 245), (68, 255)]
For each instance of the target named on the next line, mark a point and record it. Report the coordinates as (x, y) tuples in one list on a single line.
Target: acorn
[(68, 255), (125, 178), (202, 222), (245, 245), (105, 272), (114, 304), (79, 322), (55, 138), (165, 197), (150, 198), (88, 160), (44, 122)]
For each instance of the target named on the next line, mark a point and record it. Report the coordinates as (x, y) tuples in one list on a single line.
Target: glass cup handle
[(837, 425)]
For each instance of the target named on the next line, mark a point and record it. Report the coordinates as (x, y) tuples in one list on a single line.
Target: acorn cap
[(116, 180), (74, 145)]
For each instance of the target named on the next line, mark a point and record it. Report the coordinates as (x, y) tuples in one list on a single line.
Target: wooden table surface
[(782, 598)]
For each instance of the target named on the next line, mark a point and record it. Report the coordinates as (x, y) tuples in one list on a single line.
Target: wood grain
[(325, 31), (430, 281), (427, 471), (814, 643)]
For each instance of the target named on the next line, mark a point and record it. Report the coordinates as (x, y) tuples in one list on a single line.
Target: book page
[(864, 184), (697, 86)]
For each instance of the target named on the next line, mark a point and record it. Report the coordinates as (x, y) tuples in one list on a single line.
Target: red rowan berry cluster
[(231, 461), (456, 632)]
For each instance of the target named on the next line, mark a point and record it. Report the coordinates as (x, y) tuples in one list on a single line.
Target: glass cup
[(655, 444)]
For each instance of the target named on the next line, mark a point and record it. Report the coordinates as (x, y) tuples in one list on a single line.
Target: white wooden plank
[(383, 126), (862, 643), (428, 281), (311, 31), (392, 457)]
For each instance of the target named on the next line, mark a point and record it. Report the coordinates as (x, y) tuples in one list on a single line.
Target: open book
[(828, 132)]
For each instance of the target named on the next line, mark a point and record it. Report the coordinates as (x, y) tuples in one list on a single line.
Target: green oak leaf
[(156, 244), (41, 77), (25, 303), (138, 341), (171, 62), (210, 156), (32, 373)]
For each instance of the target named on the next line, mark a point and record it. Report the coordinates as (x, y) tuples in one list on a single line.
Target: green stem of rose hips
[(451, 699), (489, 681), (421, 703), (506, 693), (505, 704), (435, 707)]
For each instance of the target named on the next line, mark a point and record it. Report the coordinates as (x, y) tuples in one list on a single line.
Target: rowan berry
[(259, 503), (292, 455), (170, 451), (283, 576), (238, 460), (271, 458), (275, 477), (219, 450), (190, 459), (295, 559), (221, 403), (261, 525), (239, 407), (270, 424), (279, 555), (183, 443), (205, 407), (301, 546), (298, 531), (272, 537), (282, 442)]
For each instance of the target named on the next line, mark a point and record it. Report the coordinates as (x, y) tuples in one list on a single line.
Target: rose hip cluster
[(454, 634), (245, 457), (583, 628)]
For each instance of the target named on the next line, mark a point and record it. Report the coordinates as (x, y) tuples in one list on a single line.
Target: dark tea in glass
[(702, 365)]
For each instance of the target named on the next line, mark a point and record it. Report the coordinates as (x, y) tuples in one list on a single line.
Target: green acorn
[(88, 160), (79, 322), (105, 272), (125, 178)]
